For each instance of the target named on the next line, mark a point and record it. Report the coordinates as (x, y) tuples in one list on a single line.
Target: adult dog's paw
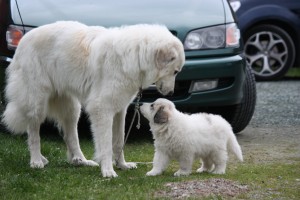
[(127, 165), (45, 160), (37, 164), (91, 163), (84, 162), (109, 174)]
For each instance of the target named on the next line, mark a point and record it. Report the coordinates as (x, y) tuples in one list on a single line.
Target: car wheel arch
[(287, 39), (275, 22)]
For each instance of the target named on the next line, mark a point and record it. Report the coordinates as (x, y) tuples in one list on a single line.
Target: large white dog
[(61, 66), (187, 137)]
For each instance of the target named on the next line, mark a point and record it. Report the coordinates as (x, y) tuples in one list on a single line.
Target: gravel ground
[(274, 131), (203, 188), (278, 104)]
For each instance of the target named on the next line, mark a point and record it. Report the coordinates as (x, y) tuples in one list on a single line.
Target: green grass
[(60, 180), (293, 72)]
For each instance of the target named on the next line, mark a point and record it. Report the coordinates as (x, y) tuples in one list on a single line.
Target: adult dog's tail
[(14, 119), (235, 147)]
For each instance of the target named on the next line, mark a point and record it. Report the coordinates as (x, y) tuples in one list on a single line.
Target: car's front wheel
[(269, 50), (240, 115)]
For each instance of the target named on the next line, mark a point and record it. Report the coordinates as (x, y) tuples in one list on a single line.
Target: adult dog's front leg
[(118, 141), (101, 123)]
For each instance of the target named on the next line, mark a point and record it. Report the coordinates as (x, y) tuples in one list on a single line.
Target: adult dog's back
[(45, 66)]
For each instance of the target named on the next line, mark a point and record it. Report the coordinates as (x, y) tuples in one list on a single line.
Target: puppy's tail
[(234, 146)]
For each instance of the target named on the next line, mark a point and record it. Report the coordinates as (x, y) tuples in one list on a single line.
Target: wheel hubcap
[(266, 53)]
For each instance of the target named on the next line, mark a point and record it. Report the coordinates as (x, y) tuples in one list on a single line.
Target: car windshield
[(194, 13)]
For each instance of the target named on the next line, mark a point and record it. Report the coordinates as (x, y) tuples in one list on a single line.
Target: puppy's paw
[(127, 165), (218, 172), (219, 169), (182, 173), (83, 162), (153, 173), (201, 170), (109, 174)]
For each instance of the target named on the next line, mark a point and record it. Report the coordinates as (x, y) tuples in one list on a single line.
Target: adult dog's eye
[(152, 106), (176, 72)]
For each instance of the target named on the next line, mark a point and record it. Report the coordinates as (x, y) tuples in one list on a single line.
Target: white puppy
[(187, 137), (58, 68)]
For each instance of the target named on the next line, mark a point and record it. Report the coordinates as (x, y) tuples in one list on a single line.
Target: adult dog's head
[(161, 57), (169, 60), (158, 112)]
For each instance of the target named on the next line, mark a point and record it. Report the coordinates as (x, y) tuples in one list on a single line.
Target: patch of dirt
[(203, 188)]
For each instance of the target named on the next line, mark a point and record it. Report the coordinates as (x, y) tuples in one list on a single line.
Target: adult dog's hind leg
[(36, 115), (118, 141), (67, 112), (37, 160)]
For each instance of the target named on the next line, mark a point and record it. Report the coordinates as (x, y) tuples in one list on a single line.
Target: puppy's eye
[(176, 72), (152, 106)]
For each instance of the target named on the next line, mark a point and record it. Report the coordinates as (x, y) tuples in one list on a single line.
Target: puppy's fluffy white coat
[(58, 68), (187, 137)]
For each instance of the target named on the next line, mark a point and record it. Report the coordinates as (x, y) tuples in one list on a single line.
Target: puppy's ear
[(164, 55), (161, 116)]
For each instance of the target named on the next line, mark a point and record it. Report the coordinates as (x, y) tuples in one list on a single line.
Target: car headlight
[(213, 37)]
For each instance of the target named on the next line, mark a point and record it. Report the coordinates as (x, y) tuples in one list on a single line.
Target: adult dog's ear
[(161, 116), (164, 55)]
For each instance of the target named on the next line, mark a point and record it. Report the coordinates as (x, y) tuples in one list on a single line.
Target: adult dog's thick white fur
[(61, 66), (186, 137)]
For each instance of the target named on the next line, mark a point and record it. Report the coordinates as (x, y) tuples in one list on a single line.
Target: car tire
[(240, 115), (3, 66), (270, 51)]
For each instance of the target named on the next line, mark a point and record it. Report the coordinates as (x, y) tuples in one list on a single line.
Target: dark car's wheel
[(269, 50), (240, 115)]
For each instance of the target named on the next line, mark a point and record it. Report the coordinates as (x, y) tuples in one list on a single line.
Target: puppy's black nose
[(140, 104), (170, 93)]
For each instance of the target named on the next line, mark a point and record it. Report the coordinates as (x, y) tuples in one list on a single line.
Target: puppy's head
[(158, 112), (169, 60)]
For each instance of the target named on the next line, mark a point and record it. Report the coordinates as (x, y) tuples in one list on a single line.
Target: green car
[(215, 77)]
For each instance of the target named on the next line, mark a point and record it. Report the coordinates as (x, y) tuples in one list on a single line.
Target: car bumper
[(228, 71)]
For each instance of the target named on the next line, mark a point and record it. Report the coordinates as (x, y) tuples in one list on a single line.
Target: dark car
[(215, 77), (271, 32)]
